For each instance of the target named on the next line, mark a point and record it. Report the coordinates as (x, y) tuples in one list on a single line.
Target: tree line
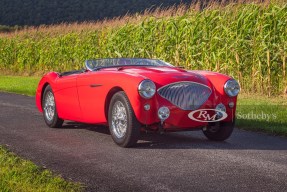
[(38, 12)]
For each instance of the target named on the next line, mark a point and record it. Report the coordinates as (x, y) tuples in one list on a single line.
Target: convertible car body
[(130, 95)]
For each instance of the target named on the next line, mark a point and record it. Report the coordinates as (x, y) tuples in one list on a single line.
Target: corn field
[(246, 41)]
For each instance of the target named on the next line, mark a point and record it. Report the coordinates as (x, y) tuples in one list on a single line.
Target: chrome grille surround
[(186, 95)]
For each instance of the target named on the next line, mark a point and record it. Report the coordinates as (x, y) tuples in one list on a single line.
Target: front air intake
[(186, 95)]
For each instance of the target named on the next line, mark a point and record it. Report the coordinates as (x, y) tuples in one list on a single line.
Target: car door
[(92, 93), (67, 100)]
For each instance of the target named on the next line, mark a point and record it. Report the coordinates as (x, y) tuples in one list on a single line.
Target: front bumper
[(180, 119)]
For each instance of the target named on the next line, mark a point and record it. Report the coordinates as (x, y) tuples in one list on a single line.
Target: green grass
[(17, 174), (18, 84), (259, 113)]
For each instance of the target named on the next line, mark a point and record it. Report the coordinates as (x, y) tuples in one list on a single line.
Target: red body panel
[(85, 97)]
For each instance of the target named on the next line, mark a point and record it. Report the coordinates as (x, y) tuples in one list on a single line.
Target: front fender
[(46, 79), (218, 80)]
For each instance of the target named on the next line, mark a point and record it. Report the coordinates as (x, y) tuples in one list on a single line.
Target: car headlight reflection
[(147, 89), (231, 88)]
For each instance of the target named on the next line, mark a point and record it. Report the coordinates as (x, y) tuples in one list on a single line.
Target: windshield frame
[(93, 64)]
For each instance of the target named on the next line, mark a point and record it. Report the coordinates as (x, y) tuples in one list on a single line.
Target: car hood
[(166, 75)]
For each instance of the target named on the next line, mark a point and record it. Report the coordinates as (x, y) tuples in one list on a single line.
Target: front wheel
[(49, 109), (123, 125), (219, 131)]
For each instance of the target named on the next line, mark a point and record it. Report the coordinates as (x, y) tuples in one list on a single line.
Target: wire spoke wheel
[(49, 106), (49, 109), (119, 119), (124, 126)]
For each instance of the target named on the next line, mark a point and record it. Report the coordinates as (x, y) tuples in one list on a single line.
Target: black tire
[(219, 131), (132, 128), (52, 120)]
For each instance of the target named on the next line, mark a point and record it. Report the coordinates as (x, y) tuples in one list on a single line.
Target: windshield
[(96, 64)]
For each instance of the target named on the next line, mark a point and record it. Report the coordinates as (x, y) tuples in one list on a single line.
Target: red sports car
[(130, 95)]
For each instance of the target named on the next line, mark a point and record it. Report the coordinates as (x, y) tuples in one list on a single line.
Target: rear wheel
[(123, 125), (49, 109), (219, 131)]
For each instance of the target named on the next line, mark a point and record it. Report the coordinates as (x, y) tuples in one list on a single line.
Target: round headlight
[(231, 88), (147, 89)]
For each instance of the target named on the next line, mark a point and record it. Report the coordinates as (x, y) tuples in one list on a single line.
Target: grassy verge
[(259, 113), (21, 175), (17, 84)]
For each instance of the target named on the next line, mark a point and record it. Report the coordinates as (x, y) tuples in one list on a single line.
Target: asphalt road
[(184, 161)]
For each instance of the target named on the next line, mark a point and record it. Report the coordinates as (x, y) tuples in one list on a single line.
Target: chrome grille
[(185, 95)]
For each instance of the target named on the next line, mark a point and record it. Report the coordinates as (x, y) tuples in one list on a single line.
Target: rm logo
[(203, 115)]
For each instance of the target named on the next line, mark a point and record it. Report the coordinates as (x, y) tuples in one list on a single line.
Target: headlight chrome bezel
[(232, 88), (147, 89)]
